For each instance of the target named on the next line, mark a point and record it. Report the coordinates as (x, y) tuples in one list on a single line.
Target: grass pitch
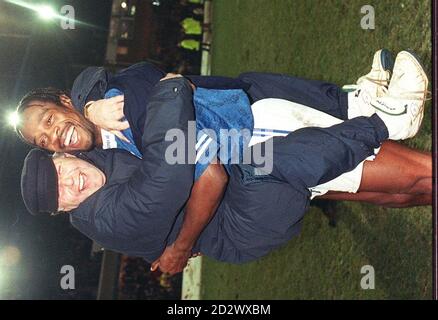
[(322, 39)]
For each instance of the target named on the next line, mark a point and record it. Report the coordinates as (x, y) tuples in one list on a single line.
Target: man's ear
[(66, 101)]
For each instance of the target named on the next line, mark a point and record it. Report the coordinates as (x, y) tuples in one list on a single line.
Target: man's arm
[(144, 207), (218, 82), (205, 198), (108, 113)]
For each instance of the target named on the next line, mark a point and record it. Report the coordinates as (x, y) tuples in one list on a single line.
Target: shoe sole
[(420, 66), (417, 58), (418, 62), (386, 60)]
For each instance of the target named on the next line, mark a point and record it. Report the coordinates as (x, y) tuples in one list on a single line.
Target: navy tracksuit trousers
[(260, 213)]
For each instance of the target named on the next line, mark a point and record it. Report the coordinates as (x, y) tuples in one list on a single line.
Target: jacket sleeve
[(143, 72), (145, 206), (218, 82)]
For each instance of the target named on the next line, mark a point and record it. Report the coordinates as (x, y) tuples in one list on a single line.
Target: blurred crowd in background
[(179, 36)]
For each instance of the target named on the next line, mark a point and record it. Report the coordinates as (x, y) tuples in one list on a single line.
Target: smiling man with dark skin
[(59, 129)]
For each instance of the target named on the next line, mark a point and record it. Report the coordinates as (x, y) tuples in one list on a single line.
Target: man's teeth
[(75, 136), (71, 136), (81, 182)]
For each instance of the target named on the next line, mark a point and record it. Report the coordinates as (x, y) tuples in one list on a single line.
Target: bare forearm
[(205, 198)]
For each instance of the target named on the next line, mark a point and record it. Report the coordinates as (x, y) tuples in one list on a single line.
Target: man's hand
[(107, 114), (173, 76), (172, 261), (206, 194)]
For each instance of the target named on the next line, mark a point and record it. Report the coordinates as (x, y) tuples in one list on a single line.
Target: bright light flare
[(10, 256), (3, 278), (13, 118), (46, 12)]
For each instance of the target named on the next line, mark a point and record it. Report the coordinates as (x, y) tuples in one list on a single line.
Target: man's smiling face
[(77, 180), (57, 128)]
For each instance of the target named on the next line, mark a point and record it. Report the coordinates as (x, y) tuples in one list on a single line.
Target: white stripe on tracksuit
[(202, 145), (287, 117)]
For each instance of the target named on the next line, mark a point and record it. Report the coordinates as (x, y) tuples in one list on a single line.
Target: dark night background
[(55, 58), (37, 53)]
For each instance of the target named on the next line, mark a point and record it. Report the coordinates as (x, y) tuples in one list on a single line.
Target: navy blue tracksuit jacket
[(140, 209)]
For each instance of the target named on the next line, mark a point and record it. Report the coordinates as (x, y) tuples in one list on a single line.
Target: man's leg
[(319, 95), (298, 165), (398, 169), (398, 177), (323, 96), (312, 156), (387, 200)]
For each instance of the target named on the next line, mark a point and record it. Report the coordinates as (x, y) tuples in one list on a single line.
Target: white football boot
[(402, 107), (370, 86), (378, 78)]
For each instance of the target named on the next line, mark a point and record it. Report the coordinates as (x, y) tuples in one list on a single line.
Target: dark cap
[(39, 183)]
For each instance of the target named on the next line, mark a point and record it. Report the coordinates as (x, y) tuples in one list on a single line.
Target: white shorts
[(347, 182), (277, 117)]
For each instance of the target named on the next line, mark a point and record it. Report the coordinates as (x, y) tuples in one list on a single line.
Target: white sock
[(359, 104)]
